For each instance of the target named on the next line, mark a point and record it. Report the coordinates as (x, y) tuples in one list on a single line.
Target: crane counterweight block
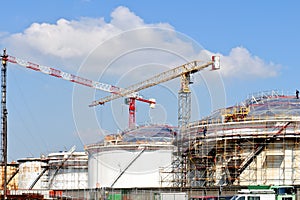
[(216, 62)]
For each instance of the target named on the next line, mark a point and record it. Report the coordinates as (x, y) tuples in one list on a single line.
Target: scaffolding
[(256, 142)]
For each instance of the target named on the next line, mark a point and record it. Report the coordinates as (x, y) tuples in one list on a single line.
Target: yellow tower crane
[(184, 71)]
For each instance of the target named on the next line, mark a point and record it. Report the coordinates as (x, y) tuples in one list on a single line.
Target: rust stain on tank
[(11, 170)]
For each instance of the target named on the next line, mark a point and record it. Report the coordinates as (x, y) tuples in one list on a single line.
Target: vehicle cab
[(246, 194)]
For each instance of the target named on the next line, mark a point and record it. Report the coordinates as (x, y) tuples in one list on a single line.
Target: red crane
[(86, 82)]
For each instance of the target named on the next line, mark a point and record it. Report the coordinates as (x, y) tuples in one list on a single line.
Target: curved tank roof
[(284, 105), (154, 133), (261, 105), (143, 134)]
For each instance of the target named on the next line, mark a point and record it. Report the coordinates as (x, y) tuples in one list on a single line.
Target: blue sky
[(257, 40)]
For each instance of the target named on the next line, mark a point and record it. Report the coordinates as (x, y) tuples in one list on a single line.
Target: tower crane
[(184, 71), (86, 82)]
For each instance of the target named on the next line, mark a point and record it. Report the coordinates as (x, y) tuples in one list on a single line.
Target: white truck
[(247, 194), (264, 192)]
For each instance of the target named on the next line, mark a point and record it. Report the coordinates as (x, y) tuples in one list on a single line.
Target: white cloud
[(65, 39), (124, 43), (240, 63), (124, 19)]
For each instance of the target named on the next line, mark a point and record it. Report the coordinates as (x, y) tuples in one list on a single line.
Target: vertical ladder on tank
[(257, 151), (129, 164)]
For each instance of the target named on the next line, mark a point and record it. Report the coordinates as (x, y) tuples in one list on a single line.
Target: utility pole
[(4, 122)]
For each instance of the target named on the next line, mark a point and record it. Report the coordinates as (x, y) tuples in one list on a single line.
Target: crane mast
[(4, 123)]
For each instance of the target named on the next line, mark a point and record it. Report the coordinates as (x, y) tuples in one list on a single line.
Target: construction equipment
[(184, 94), (83, 81)]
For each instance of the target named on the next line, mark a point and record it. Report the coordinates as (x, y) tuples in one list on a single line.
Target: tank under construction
[(253, 143)]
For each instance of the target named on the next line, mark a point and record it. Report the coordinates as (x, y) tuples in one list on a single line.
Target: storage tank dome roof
[(154, 133)]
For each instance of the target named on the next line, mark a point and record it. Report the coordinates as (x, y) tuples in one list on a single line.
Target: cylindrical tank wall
[(29, 171), (72, 173), (124, 168), (278, 164)]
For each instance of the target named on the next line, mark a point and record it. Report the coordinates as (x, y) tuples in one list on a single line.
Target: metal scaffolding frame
[(256, 142)]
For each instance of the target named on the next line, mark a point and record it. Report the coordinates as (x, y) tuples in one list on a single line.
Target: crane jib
[(53, 72), (66, 76), (191, 67), (79, 80)]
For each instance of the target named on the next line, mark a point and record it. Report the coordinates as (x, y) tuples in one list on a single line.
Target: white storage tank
[(131, 159), (68, 170), (29, 171)]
